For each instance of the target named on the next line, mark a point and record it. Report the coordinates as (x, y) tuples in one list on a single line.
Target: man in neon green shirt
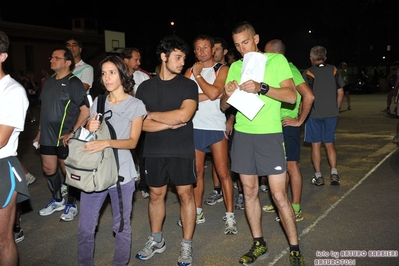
[(293, 116), (258, 146)]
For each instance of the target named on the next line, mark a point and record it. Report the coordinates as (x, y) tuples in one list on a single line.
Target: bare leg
[(278, 189), (156, 208), (316, 156), (187, 210), (199, 188), (295, 180), (220, 159), (8, 248), (331, 154), (250, 185)]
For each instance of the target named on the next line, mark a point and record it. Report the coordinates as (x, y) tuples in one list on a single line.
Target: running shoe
[(150, 248), (257, 251), (317, 181), (214, 198), (296, 259), (186, 257)]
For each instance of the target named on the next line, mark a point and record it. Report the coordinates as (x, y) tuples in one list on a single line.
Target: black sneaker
[(296, 259), (317, 181), (334, 180), (257, 251)]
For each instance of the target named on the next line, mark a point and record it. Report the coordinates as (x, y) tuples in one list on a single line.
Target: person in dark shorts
[(13, 189), (171, 101), (64, 108)]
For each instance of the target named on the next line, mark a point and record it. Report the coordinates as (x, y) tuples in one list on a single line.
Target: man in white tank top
[(210, 126)]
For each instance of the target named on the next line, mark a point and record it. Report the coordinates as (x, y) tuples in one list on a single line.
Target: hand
[(230, 87), (293, 122), (95, 146), (197, 68), (250, 86), (93, 124)]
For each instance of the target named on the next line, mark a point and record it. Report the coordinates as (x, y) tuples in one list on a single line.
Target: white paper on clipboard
[(253, 68)]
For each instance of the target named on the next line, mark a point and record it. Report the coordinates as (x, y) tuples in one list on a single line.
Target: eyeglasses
[(56, 58)]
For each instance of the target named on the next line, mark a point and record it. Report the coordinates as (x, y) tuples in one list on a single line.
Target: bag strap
[(101, 109)]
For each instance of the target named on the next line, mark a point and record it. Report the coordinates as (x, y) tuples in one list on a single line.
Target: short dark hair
[(68, 56), (204, 37), (221, 41), (127, 52), (78, 41), (4, 42)]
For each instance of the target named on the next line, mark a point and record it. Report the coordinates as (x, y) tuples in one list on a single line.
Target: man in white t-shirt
[(83, 71), (132, 58)]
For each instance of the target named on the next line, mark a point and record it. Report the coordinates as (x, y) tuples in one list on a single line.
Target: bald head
[(275, 46)]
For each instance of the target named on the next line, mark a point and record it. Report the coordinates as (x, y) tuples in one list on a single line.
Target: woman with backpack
[(128, 113)]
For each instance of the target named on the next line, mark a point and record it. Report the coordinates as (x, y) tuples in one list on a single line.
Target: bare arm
[(126, 144), (340, 96), (5, 134), (306, 104), (81, 121), (157, 121)]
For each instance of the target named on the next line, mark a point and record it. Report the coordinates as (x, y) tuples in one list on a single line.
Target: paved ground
[(360, 215)]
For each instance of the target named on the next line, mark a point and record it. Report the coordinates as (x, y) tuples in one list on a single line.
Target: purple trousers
[(90, 206)]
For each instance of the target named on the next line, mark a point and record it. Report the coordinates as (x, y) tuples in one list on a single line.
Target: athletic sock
[(294, 248), (296, 207), (218, 189), (261, 240)]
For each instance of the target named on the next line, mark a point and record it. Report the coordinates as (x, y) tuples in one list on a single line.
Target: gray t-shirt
[(123, 114)]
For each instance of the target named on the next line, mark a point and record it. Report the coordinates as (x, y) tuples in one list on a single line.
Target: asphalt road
[(361, 215)]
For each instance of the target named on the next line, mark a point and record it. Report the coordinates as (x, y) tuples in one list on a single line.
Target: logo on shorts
[(278, 168)]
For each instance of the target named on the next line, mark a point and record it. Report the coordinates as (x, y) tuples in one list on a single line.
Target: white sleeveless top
[(209, 116)]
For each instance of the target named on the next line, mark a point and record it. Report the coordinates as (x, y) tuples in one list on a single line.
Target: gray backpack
[(98, 171)]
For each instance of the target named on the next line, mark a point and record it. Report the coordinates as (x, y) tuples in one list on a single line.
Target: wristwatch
[(264, 88), (72, 131)]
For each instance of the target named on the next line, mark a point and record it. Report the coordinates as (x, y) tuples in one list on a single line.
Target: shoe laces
[(213, 195), (230, 222), (185, 251), (256, 249)]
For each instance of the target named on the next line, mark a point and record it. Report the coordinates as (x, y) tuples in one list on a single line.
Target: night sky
[(357, 32)]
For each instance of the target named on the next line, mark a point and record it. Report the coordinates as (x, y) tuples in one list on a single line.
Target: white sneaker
[(52, 207), (145, 194), (231, 226), (30, 179), (64, 190), (70, 212)]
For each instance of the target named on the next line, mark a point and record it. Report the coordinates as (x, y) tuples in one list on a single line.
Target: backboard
[(114, 41)]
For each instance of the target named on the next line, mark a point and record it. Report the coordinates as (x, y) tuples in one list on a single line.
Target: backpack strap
[(101, 109)]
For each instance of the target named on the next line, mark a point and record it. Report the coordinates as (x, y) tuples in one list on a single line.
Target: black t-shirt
[(162, 96), (60, 103)]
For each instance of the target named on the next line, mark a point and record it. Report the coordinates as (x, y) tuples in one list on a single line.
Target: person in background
[(82, 70), (327, 86), (210, 127), (132, 58), (127, 120), (85, 73), (258, 146), (18, 231), (171, 101), (64, 108), (13, 190), (232, 56), (343, 71), (292, 117)]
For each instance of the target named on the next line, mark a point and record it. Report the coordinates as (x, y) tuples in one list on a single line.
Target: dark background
[(357, 32)]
